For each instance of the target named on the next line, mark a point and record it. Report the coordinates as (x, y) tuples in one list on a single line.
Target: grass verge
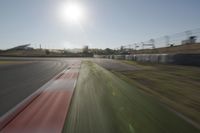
[(104, 103), (176, 86)]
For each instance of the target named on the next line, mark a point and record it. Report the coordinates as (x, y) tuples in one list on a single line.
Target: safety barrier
[(179, 59)]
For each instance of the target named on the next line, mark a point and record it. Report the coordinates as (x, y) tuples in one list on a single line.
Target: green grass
[(176, 86), (104, 103), (2, 62), (5, 62)]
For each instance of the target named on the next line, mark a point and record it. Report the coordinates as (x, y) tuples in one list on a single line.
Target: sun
[(71, 12)]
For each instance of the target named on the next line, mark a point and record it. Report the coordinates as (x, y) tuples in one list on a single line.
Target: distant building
[(22, 47)]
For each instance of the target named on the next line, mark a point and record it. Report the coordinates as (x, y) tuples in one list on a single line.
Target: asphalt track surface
[(46, 113), (102, 102), (20, 77)]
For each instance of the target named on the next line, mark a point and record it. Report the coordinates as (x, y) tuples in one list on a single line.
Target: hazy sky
[(105, 23)]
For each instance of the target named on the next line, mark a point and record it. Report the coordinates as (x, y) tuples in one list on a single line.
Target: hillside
[(186, 48)]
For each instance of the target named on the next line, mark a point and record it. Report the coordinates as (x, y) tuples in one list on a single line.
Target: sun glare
[(71, 12)]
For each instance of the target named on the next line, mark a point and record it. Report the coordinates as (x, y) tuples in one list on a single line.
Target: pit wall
[(178, 59)]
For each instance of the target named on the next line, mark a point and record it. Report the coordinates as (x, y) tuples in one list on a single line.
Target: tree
[(85, 49), (108, 51), (47, 52), (122, 48)]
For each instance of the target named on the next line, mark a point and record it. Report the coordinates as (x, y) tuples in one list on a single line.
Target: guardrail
[(178, 59)]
